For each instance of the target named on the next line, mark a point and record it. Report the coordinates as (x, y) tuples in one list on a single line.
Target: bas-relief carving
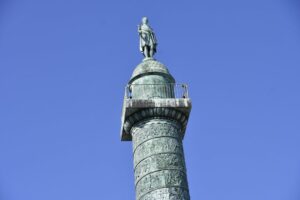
[(159, 180), (157, 128), (156, 146), (159, 161), (167, 194)]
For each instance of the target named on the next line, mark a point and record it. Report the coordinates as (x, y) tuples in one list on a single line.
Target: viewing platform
[(154, 100)]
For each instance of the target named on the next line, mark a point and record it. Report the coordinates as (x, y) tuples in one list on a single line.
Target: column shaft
[(159, 165)]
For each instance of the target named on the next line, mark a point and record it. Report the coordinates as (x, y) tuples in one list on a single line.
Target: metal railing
[(156, 91)]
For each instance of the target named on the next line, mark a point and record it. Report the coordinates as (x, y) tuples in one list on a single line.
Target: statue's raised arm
[(148, 40)]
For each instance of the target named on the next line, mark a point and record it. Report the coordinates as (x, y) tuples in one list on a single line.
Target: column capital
[(136, 110)]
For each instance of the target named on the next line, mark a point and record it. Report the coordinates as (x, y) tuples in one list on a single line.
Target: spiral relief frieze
[(159, 164)]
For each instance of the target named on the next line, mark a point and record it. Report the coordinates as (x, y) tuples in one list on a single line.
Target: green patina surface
[(159, 166)]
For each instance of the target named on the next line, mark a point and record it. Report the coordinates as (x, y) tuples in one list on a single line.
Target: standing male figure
[(148, 40)]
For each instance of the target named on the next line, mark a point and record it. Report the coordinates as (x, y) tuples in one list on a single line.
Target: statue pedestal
[(146, 59)]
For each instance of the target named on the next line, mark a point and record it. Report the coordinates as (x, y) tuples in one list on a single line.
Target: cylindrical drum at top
[(152, 87), (151, 80)]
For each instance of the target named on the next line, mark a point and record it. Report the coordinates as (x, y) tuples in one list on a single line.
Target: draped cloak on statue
[(147, 38)]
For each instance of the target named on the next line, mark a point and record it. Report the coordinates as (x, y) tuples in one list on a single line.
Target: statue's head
[(145, 20)]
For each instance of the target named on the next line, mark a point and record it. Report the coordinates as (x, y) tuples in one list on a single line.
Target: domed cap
[(150, 66)]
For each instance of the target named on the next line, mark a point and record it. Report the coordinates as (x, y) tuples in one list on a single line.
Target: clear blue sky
[(63, 68)]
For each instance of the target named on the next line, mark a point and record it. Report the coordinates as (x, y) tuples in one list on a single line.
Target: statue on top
[(148, 40)]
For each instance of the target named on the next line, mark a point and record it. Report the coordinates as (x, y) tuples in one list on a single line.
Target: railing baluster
[(146, 91)]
